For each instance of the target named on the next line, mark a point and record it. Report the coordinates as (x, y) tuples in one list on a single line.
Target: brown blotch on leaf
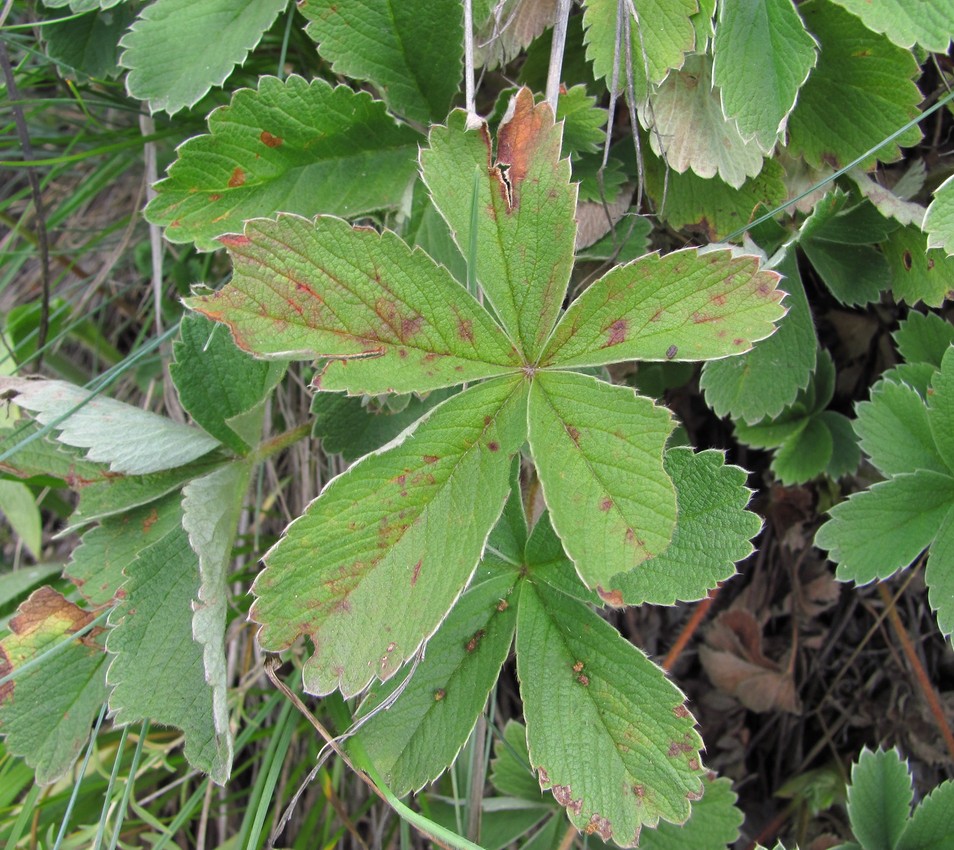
[(606, 504), (465, 330), (680, 711), (578, 667), (471, 645), (522, 134), (416, 572), (671, 352), (503, 605), (693, 764), (583, 680), (431, 458), (616, 333), (234, 240), (494, 446), (611, 597), (639, 791), (150, 520), (271, 141), (439, 694), (600, 825), (574, 433), (563, 794), (718, 300), (906, 260), (215, 196), (237, 179)]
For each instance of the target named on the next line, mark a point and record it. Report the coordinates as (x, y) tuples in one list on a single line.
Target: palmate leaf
[(879, 798), (374, 566), (927, 23), (370, 569), (605, 760)]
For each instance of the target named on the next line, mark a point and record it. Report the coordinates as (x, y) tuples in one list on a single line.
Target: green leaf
[(939, 575), (88, 45), (129, 439), (369, 571), (861, 92), (46, 712), (598, 451), (19, 508), (583, 121), (714, 822), (689, 130), (924, 338), (767, 379), (932, 825), (412, 742), (941, 409), (14, 585), (216, 381), (887, 202), (97, 565), (688, 305), (510, 771), (305, 289), (44, 459), (156, 672), (712, 207), (939, 221), (881, 530), (763, 56), (846, 453), (355, 427), (179, 49), (918, 274), (290, 145), (712, 534), (879, 799), (928, 23), (659, 39), (546, 561), (77, 6), (627, 241), (525, 205), (211, 507), (895, 430), (806, 455), (410, 49), (625, 753)]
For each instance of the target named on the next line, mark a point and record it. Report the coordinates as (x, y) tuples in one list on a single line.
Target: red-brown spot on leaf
[(606, 504), (578, 667), (583, 680), (439, 694), (215, 196), (465, 330), (488, 420), (906, 260), (416, 572), (471, 645), (639, 791), (611, 597), (700, 318), (681, 711), (738, 341), (409, 327), (150, 520), (402, 352), (270, 140), (616, 333), (573, 432), (600, 825), (237, 179), (718, 300), (494, 446), (693, 764), (431, 458), (671, 352), (503, 605), (563, 794), (673, 750), (234, 240), (520, 138)]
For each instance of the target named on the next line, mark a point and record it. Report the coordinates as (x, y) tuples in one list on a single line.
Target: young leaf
[(583, 121), (98, 564), (712, 534), (525, 205), (588, 697), (688, 129), (598, 450), (879, 799), (46, 712), (939, 221), (881, 530), (763, 55), (767, 379), (210, 512), (305, 289), (659, 39), (216, 381), (861, 92), (370, 570), (687, 305), (290, 145), (410, 49), (927, 24), (130, 440), (924, 338), (179, 49), (157, 671), (412, 742), (895, 430)]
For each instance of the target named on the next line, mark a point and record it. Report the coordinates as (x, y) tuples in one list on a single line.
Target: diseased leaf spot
[(471, 645), (270, 140), (680, 711), (578, 667), (150, 520), (439, 694), (416, 572), (503, 605), (599, 825), (616, 333), (583, 680), (907, 260), (639, 791), (215, 196), (234, 240), (693, 764), (738, 341), (606, 504), (465, 330), (611, 597), (430, 458), (563, 794), (718, 300), (237, 179), (574, 433), (671, 352), (494, 446)]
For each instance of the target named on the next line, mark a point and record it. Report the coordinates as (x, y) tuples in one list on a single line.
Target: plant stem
[(688, 630), (282, 441), (920, 674)]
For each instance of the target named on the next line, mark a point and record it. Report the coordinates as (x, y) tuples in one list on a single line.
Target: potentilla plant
[(377, 565)]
